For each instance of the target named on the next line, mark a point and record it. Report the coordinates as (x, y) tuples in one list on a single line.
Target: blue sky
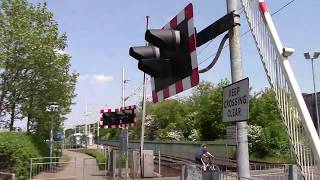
[(100, 33)]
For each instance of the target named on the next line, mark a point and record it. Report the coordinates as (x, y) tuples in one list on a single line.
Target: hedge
[(16, 149)]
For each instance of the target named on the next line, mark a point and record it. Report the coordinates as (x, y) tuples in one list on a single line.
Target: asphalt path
[(79, 167)]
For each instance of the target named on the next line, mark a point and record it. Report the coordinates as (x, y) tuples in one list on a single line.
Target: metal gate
[(52, 168)]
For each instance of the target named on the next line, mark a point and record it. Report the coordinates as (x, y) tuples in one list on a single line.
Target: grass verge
[(16, 149), (100, 157)]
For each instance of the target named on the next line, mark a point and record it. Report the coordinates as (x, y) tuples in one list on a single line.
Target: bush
[(100, 158), (16, 149)]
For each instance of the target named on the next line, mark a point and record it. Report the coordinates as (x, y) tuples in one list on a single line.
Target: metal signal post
[(236, 75)]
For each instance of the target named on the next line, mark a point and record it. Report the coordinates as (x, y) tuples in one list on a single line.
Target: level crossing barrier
[(303, 137)]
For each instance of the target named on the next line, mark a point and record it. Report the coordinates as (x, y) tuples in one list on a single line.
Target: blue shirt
[(200, 153)]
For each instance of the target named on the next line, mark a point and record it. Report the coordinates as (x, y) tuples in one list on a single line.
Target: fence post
[(114, 164), (159, 162), (109, 158), (30, 168), (105, 160), (293, 172), (183, 170)]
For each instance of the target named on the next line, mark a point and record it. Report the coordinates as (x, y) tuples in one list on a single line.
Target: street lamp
[(307, 55), (52, 107)]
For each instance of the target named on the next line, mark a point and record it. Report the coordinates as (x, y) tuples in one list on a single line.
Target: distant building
[(310, 102)]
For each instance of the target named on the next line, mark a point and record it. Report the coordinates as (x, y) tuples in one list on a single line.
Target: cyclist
[(201, 154)]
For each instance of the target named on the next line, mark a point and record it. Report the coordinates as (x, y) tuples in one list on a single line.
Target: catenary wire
[(246, 32)]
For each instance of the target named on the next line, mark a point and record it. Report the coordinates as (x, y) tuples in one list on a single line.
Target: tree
[(165, 120), (33, 72), (206, 106), (264, 113)]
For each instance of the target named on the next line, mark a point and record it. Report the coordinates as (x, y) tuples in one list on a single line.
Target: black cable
[(283, 7), (215, 59)]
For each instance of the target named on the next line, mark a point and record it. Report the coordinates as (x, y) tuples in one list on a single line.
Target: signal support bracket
[(218, 27)]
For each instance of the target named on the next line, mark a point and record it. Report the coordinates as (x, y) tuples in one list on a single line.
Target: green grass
[(16, 149), (100, 158)]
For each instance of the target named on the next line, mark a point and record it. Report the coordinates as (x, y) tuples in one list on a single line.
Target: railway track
[(172, 161), (176, 162), (225, 164)]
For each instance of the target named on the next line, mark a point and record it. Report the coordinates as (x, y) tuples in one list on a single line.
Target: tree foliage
[(273, 139), (16, 150), (206, 103), (33, 71), (199, 117)]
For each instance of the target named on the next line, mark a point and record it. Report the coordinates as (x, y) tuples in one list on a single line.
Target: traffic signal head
[(118, 118), (170, 59), (110, 120), (144, 52), (130, 115), (163, 38)]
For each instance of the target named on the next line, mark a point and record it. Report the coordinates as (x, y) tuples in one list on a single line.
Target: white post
[(52, 107), (126, 128), (143, 112), (51, 140), (159, 161), (85, 121), (98, 130), (30, 168), (122, 98)]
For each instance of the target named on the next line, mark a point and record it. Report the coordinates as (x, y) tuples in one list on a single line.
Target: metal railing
[(302, 134), (230, 176), (52, 167)]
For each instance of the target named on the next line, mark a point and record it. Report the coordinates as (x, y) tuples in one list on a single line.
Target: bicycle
[(209, 164)]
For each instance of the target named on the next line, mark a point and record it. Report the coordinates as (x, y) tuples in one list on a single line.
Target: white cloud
[(96, 78)]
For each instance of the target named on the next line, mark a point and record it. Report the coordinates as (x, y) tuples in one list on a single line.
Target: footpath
[(76, 170), (84, 168)]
